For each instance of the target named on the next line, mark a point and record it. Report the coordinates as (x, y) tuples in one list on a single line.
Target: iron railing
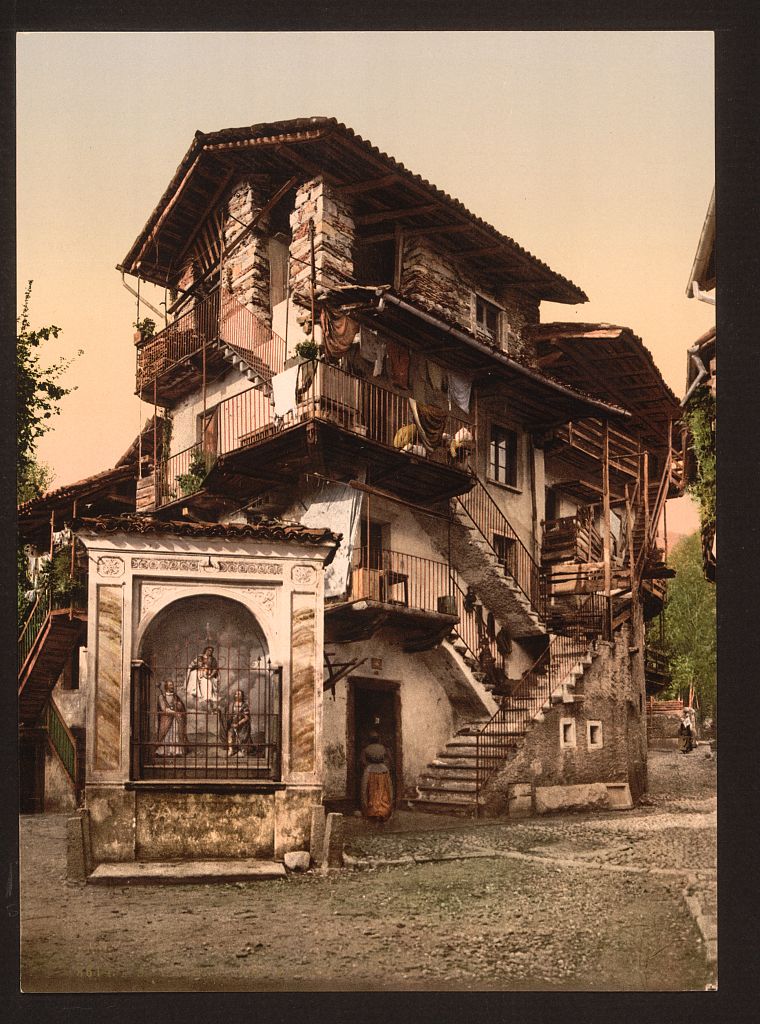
[(323, 392), (472, 628), (507, 547), (499, 738), (200, 730), (34, 624), (395, 577), (218, 317), (62, 740)]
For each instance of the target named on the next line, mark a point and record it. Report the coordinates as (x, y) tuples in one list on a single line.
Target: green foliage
[(34, 481), (38, 393), (308, 349), (700, 418), (191, 481), (146, 327), (690, 634)]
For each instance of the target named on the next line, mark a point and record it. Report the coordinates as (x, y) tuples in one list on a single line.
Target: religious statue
[(238, 725), (172, 723), (202, 680)]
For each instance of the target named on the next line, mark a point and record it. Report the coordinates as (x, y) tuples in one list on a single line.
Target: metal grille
[(213, 714)]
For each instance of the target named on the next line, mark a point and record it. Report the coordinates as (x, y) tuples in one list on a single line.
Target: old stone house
[(387, 497)]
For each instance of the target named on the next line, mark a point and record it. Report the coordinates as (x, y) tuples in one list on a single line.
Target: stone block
[(590, 796), (76, 861), (620, 796), (317, 835), (333, 846), (297, 860)]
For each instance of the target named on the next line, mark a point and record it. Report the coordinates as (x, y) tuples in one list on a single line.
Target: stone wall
[(611, 689), (431, 278), (247, 271), (334, 230)]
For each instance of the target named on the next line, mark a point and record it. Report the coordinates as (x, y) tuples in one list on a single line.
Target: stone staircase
[(448, 784)]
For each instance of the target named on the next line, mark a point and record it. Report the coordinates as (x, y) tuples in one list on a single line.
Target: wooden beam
[(607, 538), (404, 211), (370, 185)]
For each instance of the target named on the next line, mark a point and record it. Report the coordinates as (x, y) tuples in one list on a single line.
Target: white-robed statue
[(202, 680)]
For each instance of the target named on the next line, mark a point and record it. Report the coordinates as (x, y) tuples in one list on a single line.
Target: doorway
[(373, 704)]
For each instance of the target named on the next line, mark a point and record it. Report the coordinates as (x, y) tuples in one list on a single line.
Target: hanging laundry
[(338, 331), (460, 389), (398, 363), (419, 377), (430, 423), (372, 350), (338, 506), (284, 391), (436, 375)]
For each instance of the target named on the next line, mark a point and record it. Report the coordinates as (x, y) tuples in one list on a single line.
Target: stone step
[(462, 741), (458, 810), (428, 783), (435, 797), (453, 761), (439, 771)]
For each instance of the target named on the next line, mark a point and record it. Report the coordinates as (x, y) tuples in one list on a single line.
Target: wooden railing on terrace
[(218, 317), (395, 577), (571, 539), (325, 392), (588, 437)]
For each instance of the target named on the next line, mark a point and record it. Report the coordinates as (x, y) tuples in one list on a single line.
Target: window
[(502, 456), (207, 430), (505, 551), (487, 317), (594, 739), (567, 732)]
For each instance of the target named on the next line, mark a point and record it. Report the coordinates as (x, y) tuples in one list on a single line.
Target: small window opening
[(487, 317)]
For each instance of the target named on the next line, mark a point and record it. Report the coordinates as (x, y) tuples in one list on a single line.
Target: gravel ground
[(563, 903)]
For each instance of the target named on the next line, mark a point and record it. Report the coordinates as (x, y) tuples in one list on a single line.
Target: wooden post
[(607, 532), (398, 257), (155, 442), (629, 535), (313, 281), (646, 497), (52, 530)]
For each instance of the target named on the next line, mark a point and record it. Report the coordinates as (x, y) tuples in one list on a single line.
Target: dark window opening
[(371, 552), (502, 456), (505, 549), (487, 316), (374, 263), (551, 504)]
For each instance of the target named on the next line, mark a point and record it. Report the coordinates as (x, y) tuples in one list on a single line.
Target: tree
[(690, 634), (38, 394)]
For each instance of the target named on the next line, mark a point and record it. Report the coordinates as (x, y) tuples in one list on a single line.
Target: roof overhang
[(703, 268), (385, 192)]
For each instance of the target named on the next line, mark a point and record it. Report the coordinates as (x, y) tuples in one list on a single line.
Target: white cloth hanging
[(336, 506), (284, 391), (460, 388), (372, 349)]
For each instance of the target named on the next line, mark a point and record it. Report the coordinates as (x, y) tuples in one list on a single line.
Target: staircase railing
[(62, 741), (471, 629), (33, 626), (502, 733), (650, 528), (491, 523)]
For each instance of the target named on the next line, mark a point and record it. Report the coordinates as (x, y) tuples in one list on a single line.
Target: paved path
[(585, 902)]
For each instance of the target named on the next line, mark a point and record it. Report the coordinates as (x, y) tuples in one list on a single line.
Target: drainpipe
[(702, 296), (696, 359), (145, 302)]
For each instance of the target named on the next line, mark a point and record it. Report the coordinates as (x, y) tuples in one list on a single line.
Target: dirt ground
[(572, 902)]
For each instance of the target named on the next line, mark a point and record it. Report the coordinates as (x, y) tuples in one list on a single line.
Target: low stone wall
[(171, 823)]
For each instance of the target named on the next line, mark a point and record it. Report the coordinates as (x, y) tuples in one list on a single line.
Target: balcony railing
[(324, 392), (398, 578), (588, 437), (571, 539), (218, 317)]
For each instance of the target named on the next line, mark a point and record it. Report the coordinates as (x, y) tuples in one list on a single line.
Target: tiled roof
[(263, 529)]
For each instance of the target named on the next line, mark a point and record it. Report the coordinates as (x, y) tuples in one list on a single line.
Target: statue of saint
[(202, 680), (238, 725), (172, 723)]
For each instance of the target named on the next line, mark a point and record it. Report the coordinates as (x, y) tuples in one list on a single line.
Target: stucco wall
[(59, 789), (185, 413)]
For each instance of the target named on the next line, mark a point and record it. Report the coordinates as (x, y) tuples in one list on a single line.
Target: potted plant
[(191, 481), (144, 329)]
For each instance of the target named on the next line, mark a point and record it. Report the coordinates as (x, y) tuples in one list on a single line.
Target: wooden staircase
[(57, 633)]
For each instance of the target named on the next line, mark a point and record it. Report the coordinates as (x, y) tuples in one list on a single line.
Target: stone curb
[(706, 923)]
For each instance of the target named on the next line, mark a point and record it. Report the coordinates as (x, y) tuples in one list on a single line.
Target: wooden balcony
[(656, 669), (217, 332), (393, 588), (571, 539), (580, 446), (336, 423)]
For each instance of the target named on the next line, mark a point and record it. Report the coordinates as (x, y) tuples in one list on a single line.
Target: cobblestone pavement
[(584, 902)]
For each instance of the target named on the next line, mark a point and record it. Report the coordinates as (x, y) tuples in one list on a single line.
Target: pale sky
[(593, 150)]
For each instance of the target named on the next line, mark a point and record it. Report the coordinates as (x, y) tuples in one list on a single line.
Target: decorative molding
[(303, 574), (149, 594), (180, 564), (255, 568), (262, 598), (110, 565)]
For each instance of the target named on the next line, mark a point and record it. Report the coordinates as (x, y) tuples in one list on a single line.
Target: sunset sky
[(592, 150)]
